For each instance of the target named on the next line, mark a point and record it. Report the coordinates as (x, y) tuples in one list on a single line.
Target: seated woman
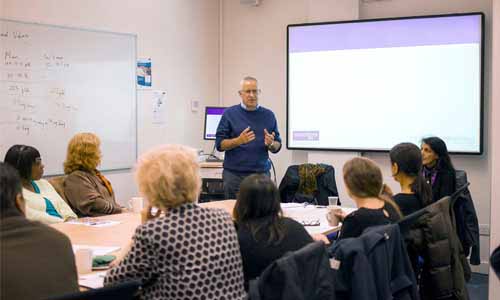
[(37, 261), (438, 169), (364, 184), (264, 234), (406, 168), (87, 190), (43, 203), (188, 252)]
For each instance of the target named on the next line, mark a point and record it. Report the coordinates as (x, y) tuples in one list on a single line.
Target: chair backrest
[(58, 184), (302, 274), (325, 184), (122, 291), (458, 193)]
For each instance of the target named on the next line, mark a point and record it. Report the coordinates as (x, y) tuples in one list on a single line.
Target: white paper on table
[(292, 205), (311, 214), (94, 223), (97, 250), (92, 280)]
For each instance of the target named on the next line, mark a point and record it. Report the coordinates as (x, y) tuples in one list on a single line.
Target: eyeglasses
[(249, 92)]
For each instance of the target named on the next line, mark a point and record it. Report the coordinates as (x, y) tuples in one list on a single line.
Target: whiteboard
[(58, 81)]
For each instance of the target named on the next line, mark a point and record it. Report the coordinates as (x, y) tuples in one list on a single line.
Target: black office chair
[(458, 193), (122, 291), (325, 182)]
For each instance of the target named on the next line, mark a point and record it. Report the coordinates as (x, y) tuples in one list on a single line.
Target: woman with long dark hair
[(438, 169), (406, 168), (264, 234)]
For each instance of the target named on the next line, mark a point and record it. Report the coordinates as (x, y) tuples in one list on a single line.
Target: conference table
[(312, 217), (121, 227)]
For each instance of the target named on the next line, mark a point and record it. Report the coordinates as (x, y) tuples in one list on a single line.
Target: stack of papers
[(94, 223), (92, 280)]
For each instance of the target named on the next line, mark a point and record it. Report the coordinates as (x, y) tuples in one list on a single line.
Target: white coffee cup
[(136, 204), (333, 200), (333, 219), (83, 258)]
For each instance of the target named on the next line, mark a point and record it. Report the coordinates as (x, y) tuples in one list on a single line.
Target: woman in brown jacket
[(87, 190)]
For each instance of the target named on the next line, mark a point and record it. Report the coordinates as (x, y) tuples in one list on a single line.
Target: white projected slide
[(370, 97)]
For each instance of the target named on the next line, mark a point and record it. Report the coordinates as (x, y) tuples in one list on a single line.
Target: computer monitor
[(212, 118)]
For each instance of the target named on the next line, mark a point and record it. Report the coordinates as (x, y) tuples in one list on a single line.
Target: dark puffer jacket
[(466, 221), (445, 269)]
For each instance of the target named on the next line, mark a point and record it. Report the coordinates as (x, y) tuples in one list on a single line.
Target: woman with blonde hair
[(190, 252), (87, 190), (364, 184)]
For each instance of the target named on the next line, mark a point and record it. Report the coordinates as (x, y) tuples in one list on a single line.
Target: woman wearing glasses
[(264, 234), (88, 191), (43, 203)]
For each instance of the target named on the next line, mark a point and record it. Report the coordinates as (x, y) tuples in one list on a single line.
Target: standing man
[(246, 132)]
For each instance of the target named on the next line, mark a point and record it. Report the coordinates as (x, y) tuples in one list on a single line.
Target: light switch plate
[(195, 105)]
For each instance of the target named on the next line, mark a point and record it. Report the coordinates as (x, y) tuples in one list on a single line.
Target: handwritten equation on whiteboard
[(34, 99)]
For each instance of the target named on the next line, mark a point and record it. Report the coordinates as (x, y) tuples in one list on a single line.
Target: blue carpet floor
[(478, 287)]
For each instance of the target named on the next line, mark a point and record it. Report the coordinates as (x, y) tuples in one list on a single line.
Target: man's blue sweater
[(251, 157)]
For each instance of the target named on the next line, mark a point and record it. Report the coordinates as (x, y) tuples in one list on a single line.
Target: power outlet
[(484, 229)]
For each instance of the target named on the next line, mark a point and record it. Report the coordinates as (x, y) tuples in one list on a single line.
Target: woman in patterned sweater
[(190, 252)]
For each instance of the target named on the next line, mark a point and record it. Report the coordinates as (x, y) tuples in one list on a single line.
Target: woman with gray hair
[(190, 252)]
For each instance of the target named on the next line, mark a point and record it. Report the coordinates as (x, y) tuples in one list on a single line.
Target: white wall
[(495, 139), (181, 37), (254, 43)]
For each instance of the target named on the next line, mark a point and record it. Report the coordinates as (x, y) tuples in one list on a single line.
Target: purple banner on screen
[(306, 135), (215, 110), (385, 34), (210, 135)]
